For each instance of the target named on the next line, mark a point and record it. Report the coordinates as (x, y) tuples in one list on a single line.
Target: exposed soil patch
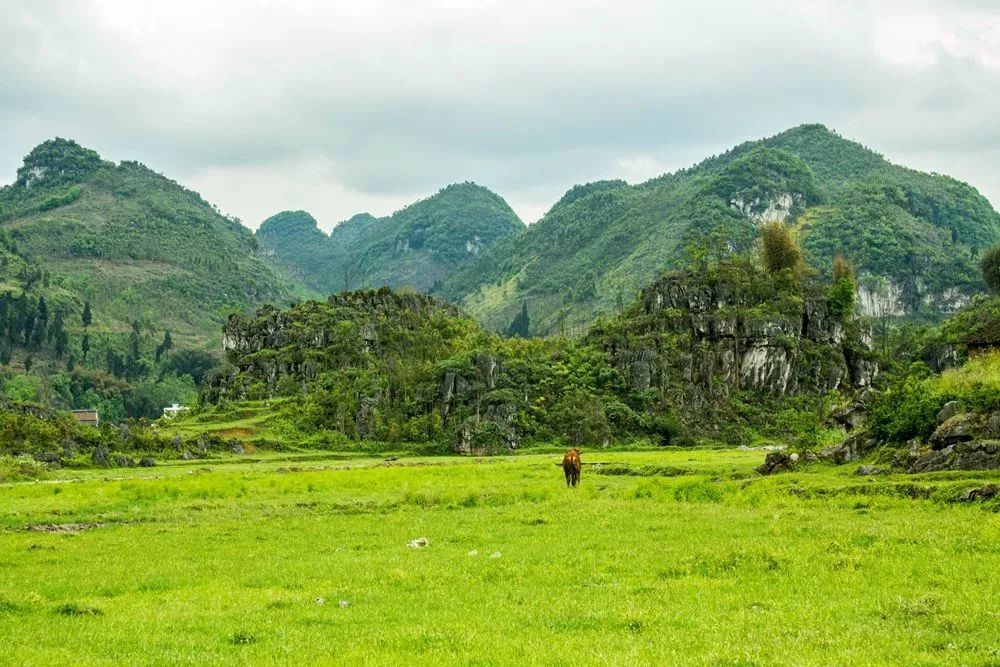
[(62, 527), (238, 433)]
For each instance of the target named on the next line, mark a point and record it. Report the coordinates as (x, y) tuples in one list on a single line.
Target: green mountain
[(914, 238), (98, 261), (419, 246), (134, 243)]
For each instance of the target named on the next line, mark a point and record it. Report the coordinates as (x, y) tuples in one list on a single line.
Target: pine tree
[(132, 360), (165, 346), (85, 345), (41, 322), (87, 317), (521, 324)]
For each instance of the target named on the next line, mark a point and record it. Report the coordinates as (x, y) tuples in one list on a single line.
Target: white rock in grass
[(794, 457), (418, 543), (474, 553), (319, 601), (495, 554), (345, 603)]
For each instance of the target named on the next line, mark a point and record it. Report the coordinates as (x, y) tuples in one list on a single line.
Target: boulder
[(950, 409), (867, 471), (852, 448), (955, 429), (981, 493), (849, 417), (775, 462), (147, 462), (993, 425), (49, 457), (100, 455), (968, 455), (852, 415), (122, 461)]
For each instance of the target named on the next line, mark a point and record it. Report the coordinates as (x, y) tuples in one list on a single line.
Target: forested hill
[(135, 244), (418, 246), (914, 237), (115, 282)]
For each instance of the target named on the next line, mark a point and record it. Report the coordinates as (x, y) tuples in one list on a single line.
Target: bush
[(989, 264), (780, 251), (16, 469)]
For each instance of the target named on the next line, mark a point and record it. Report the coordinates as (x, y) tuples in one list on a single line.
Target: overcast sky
[(341, 107)]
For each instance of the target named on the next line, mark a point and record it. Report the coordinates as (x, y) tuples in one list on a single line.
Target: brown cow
[(571, 467)]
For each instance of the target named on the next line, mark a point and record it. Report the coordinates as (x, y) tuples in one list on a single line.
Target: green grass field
[(674, 557)]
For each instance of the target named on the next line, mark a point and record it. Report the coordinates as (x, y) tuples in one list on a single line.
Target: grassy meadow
[(679, 556)]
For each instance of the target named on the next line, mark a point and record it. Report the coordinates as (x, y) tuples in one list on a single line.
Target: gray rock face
[(950, 409), (867, 471), (993, 426), (490, 429), (731, 339)]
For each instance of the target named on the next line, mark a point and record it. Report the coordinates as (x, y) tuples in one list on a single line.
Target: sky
[(342, 107)]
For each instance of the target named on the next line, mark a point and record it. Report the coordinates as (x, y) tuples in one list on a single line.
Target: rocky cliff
[(733, 329)]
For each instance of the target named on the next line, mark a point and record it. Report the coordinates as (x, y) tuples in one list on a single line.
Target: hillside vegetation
[(914, 238), (709, 352), (114, 283), (418, 246)]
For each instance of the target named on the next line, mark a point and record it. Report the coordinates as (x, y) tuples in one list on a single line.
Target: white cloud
[(337, 107)]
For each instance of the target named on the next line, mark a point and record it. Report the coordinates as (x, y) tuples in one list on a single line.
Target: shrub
[(989, 264), (779, 250)]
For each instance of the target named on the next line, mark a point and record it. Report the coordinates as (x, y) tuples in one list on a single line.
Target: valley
[(679, 556)]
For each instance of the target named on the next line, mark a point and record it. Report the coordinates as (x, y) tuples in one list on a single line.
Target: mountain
[(913, 238), (134, 243), (113, 276), (419, 246)]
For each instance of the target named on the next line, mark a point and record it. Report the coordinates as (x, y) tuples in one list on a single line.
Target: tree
[(165, 346), (195, 363), (133, 360), (59, 336), (521, 324), (840, 296), (41, 322), (989, 264), (87, 317), (780, 251), (842, 269), (85, 345)]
